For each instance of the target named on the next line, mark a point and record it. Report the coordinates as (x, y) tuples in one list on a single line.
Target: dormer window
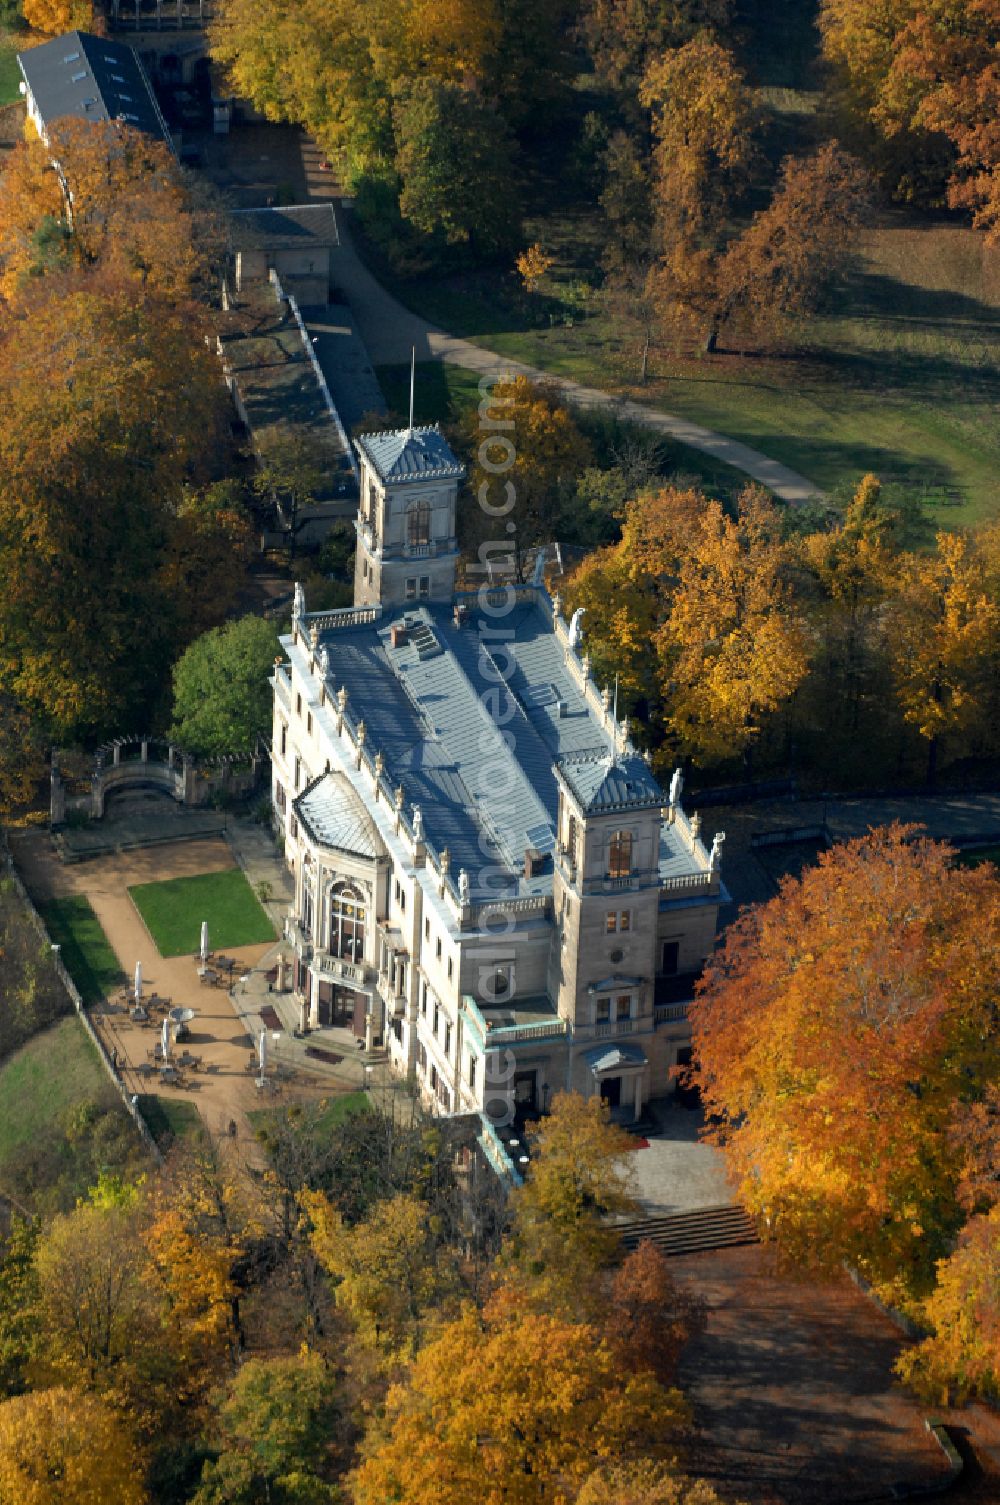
[(620, 855), (71, 57), (77, 78)]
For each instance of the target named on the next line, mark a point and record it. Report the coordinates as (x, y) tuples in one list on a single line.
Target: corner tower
[(407, 545)]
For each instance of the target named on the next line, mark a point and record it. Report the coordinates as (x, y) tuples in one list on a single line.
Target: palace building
[(489, 881)]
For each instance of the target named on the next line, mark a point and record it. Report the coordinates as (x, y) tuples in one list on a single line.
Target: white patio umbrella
[(204, 940), (138, 981), (262, 1051), (166, 1039)]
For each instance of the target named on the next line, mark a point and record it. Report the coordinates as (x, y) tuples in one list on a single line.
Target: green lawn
[(55, 1070), (173, 912), (10, 73), (169, 1118), (902, 377), (449, 393), (332, 1111), (88, 958)]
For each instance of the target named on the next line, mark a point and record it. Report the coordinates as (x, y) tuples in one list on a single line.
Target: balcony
[(419, 550), (337, 966), (513, 1025), (606, 1029), (670, 1013)]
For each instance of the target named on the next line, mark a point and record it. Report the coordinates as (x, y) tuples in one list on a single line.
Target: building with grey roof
[(89, 78), (489, 879), (295, 241)]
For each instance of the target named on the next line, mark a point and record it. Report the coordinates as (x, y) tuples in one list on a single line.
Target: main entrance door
[(611, 1090)]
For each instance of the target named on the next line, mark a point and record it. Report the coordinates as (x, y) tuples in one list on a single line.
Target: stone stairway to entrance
[(692, 1232)]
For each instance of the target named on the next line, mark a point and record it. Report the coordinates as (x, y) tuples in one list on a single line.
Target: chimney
[(398, 636), (534, 863)]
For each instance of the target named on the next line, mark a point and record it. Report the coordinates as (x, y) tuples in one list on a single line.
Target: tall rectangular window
[(620, 855)]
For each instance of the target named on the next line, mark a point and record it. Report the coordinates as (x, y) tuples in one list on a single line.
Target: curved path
[(391, 331)]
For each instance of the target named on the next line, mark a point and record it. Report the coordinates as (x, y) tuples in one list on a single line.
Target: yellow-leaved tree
[(519, 1411), (53, 17), (58, 1447), (945, 632), (734, 642)]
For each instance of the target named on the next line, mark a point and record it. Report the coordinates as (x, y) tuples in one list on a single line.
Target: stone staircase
[(694, 1232)]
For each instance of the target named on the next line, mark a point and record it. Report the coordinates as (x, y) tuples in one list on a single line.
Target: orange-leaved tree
[(117, 199), (53, 17), (845, 1031), (519, 1411)]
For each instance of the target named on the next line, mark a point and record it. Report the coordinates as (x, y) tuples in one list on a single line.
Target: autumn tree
[(624, 36), (515, 1413), (275, 1435), (94, 1307), (106, 405), (796, 250), (704, 123), (845, 1032), (53, 17), (526, 463), (118, 200), (645, 1482), (918, 84), (222, 692), (620, 622), (59, 1445), (649, 1318), (962, 1355), (578, 1178), (389, 1270), (945, 632), (733, 641)]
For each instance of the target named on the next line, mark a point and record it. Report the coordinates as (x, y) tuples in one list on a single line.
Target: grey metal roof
[(608, 1057), (284, 229), (411, 455), (334, 816), (91, 78), (481, 770), (601, 783)]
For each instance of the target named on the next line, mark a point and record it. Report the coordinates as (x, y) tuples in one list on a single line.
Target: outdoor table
[(169, 1074), (226, 963), (207, 977), (139, 1014)]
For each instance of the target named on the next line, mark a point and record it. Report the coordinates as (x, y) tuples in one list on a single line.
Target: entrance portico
[(619, 1073)]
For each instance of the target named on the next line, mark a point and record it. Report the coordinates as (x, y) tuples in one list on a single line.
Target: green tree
[(276, 1429), (222, 694), (455, 160)]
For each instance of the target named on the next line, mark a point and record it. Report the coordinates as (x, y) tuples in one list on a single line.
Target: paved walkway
[(792, 1387), (390, 331), (228, 1023)]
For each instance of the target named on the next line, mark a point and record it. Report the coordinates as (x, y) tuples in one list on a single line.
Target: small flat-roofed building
[(296, 242), (282, 397), (89, 78)]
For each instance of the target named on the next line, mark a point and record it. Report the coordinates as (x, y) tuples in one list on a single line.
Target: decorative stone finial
[(676, 785), (418, 824), (586, 667), (715, 856), (445, 859), (557, 605), (695, 826), (463, 886), (298, 602), (398, 796), (606, 697), (342, 699), (379, 764)]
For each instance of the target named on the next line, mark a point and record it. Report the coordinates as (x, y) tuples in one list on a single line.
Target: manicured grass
[(10, 73), (902, 377), (56, 1069), (169, 1118), (332, 1111), (449, 394), (87, 956), (173, 912)]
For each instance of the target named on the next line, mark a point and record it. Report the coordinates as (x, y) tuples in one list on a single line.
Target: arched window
[(418, 525), (347, 923), (620, 855)]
